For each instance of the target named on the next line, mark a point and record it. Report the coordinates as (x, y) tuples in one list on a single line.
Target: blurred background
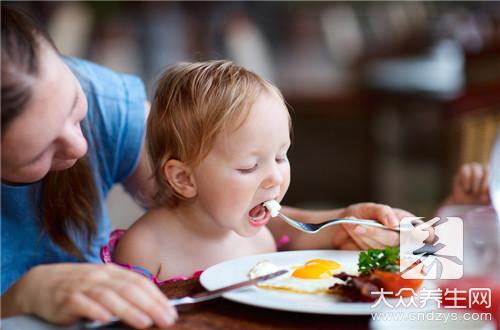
[(387, 98)]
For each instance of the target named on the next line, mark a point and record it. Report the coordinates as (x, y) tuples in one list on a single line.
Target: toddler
[(217, 139)]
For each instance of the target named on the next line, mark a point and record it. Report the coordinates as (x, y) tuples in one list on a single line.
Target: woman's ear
[(180, 177)]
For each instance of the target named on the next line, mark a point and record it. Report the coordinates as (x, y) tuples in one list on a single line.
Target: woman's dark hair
[(69, 198)]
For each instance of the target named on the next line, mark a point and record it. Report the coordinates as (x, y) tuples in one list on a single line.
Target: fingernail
[(144, 321), (170, 314), (393, 220), (173, 312), (168, 320), (104, 316), (360, 230)]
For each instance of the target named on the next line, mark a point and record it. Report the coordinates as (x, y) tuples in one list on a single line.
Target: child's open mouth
[(259, 215)]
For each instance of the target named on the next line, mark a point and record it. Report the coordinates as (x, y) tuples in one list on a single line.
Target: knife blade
[(207, 295), (199, 297)]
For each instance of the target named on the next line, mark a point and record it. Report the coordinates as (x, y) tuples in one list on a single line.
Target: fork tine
[(294, 223)]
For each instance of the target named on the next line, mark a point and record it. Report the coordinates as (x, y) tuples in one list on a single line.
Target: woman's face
[(46, 136), (245, 168)]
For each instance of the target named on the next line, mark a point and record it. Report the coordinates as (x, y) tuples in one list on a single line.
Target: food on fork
[(377, 269), (273, 206)]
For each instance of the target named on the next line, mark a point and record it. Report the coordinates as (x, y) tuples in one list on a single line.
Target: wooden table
[(215, 314), (224, 314)]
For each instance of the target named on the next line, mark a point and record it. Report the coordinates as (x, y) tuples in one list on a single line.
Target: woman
[(70, 130)]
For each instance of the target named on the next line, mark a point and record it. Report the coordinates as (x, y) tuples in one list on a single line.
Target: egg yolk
[(316, 269)]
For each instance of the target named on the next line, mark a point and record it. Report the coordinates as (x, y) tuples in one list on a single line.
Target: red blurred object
[(394, 282), (461, 288)]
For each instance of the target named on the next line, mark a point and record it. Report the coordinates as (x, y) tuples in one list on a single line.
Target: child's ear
[(180, 177)]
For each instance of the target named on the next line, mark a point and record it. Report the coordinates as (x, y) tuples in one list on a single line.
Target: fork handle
[(364, 222)]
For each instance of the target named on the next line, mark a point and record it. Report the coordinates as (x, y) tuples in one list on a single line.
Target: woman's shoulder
[(104, 82), (115, 121)]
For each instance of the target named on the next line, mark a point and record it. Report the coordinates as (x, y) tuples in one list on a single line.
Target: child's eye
[(247, 170), (281, 159)]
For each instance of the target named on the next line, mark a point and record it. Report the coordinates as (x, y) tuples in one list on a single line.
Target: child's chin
[(249, 231)]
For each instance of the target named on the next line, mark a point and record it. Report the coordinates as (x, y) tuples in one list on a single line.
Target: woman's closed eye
[(249, 169)]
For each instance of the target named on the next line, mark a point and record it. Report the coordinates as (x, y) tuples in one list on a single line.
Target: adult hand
[(354, 237), (63, 293)]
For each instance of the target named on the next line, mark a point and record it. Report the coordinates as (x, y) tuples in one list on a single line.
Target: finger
[(118, 306), (146, 295), (137, 296), (485, 180), (149, 287), (485, 199), (359, 242), (349, 245), (79, 305), (379, 237), (380, 212), (386, 215), (340, 238), (476, 178), (166, 307), (402, 214), (463, 178), (370, 243)]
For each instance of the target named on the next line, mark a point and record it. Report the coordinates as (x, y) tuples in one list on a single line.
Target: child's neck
[(194, 221)]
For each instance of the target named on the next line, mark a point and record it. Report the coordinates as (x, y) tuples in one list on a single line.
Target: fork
[(312, 228)]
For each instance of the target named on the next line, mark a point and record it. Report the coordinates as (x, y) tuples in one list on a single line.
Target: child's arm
[(470, 185)]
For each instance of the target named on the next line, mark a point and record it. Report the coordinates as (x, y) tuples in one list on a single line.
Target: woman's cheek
[(35, 172)]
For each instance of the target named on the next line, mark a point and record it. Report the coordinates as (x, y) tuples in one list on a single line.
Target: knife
[(199, 297)]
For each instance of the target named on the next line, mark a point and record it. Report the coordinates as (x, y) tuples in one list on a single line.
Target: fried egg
[(313, 277)]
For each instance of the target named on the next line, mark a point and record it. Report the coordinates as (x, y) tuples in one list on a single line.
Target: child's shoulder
[(146, 226), (141, 242)]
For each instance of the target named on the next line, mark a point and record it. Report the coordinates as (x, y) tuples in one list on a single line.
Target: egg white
[(289, 283)]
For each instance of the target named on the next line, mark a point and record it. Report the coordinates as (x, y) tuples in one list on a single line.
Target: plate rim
[(355, 308)]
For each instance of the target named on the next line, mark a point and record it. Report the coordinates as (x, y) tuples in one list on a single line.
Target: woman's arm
[(140, 184), (63, 293)]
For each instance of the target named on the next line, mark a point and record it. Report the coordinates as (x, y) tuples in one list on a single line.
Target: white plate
[(233, 271)]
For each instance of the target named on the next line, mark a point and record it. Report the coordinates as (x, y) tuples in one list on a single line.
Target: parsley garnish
[(384, 260)]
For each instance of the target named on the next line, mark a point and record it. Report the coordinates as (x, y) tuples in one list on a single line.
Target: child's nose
[(274, 178)]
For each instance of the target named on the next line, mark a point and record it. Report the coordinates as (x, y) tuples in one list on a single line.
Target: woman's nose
[(274, 178), (73, 143)]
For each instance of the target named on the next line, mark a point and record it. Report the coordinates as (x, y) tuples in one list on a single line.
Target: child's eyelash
[(247, 170), (282, 159)]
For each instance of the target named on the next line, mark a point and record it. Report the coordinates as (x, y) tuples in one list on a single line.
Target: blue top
[(116, 121)]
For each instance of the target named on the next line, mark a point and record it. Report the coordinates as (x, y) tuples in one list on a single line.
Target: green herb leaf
[(385, 260)]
